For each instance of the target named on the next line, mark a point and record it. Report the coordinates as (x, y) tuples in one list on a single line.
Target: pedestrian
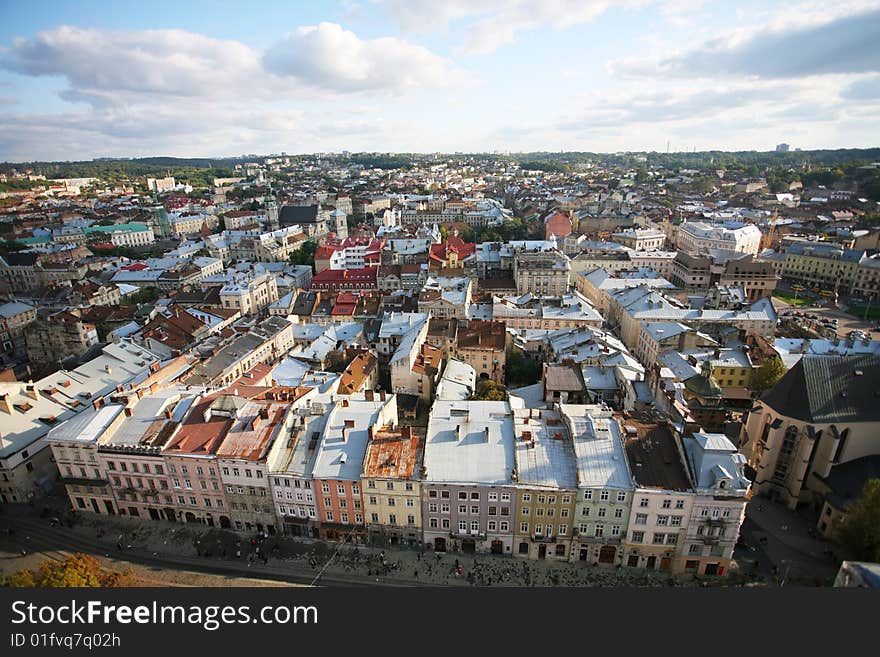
[(119, 546)]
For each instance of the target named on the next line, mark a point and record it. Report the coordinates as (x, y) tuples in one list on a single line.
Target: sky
[(215, 79)]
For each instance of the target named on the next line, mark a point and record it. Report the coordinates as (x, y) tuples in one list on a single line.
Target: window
[(659, 538), (667, 504), (602, 512), (462, 509), (663, 520), (621, 496), (372, 484), (444, 494), (432, 507), (475, 496), (566, 499), (618, 513), (505, 497), (493, 510), (475, 510), (726, 513), (524, 528), (563, 513), (525, 510), (462, 495), (615, 530), (563, 530), (675, 521), (600, 531), (504, 526), (679, 504), (432, 523), (475, 526), (325, 488), (603, 496), (493, 497), (671, 539), (444, 508), (526, 497), (641, 518), (462, 525), (585, 511), (340, 488), (539, 529), (694, 549), (329, 516), (444, 523), (643, 502), (539, 511)]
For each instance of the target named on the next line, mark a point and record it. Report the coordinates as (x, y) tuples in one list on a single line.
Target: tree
[(861, 530), (521, 370), (335, 361), (78, 570), (766, 376), (490, 391), (305, 255)]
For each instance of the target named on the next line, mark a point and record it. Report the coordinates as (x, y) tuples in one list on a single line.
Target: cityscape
[(290, 337)]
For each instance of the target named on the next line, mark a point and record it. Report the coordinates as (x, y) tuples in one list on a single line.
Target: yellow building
[(546, 486), (391, 486)]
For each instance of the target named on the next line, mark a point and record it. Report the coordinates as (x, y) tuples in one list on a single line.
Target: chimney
[(345, 405), (6, 403), (486, 431), (167, 413), (345, 433), (128, 411)]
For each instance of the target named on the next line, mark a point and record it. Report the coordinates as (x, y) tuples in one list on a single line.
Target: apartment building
[(700, 237), (242, 455), (339, 462), (469, 472), (640, 239), (604, 484), (828, 266), (74, 446), (543, 273), (546, 487), (719, 507), (482, 345), (249, 295), (191, 461), (132, 458), (662, 500), (446, 297), (391, 486), (14, 317)]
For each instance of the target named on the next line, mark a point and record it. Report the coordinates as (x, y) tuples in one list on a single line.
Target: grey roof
[(825, 389), (601, 461), (470, 442), (711, 457), (544, 456)]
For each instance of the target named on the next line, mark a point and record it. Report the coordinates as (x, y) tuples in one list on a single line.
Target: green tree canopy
[(766, 376), (861, 530), (490, 391), (305, 255), (521, 370)]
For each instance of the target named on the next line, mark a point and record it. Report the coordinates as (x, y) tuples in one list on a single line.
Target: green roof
[(128, 228)]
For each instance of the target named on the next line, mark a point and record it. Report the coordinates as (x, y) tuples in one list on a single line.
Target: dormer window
[(722, 483)]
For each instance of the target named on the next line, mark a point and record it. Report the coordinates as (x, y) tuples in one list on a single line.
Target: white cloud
[(490, 24), (328, 56), (838, 44), (159, 62)]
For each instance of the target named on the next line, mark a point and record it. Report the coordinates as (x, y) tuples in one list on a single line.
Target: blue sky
[(100, 79)]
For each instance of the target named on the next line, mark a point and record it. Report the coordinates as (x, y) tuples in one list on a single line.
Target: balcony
[(710, 540), (717, 522), (84, 481), (475, 535)]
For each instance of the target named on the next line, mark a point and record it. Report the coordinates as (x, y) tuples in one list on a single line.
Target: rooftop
[(470, 442), (598, 447)]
